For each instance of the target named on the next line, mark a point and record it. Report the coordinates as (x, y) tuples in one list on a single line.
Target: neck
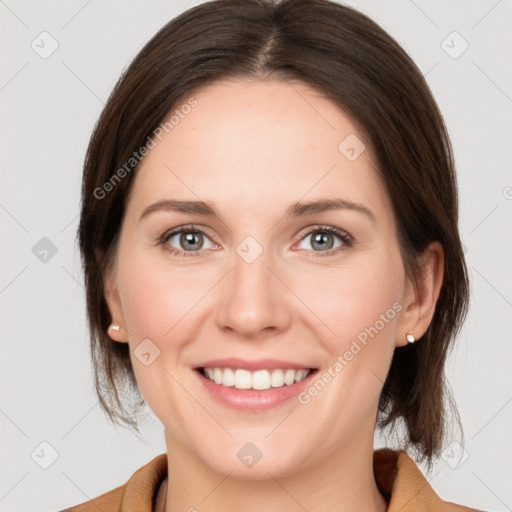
[(344, 482)]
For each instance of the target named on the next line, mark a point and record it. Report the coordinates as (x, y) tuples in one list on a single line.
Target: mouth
[(253, 385)]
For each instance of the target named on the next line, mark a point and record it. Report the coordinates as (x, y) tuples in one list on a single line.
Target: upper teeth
[(261, 379)]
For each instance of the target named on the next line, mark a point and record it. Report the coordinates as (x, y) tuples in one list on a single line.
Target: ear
[(114, 305), (420, 302)]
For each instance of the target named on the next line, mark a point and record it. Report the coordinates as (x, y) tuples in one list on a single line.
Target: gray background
[(49, 107)]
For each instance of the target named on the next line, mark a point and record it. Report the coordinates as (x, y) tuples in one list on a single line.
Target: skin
[(253, 147)]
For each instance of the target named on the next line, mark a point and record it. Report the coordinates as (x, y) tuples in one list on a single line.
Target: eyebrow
[(297, 209)]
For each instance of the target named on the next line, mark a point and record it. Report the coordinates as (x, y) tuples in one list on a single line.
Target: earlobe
[(421, 299), (117, 333), (116, 330)]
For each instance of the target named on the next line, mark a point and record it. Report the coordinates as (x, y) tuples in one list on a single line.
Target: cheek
[(359, 300), (147, 303), (157, 296)]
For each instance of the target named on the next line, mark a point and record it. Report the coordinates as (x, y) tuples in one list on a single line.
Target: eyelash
[(191, 228)]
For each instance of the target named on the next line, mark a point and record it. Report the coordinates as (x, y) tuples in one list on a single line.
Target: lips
[(253, 391)]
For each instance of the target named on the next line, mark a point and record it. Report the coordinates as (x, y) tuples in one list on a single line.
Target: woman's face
[(254, 282)]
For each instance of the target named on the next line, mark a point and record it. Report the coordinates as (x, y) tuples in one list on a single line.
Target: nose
[(254, 297)]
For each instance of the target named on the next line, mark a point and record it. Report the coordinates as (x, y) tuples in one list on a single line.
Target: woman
[(272, 261)]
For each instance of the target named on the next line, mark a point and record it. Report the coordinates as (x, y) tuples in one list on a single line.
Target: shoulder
[(137, 493), (404, 486)]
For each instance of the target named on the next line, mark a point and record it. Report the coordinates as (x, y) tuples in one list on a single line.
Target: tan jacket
[(399, 480)]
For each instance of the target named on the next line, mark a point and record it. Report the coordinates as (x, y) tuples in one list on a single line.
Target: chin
[(254, 460)]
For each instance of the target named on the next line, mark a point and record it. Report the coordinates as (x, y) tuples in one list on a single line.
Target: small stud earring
[(410, 337), (114, 327)]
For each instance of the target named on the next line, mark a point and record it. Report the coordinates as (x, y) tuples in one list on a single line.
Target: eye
[(323, 239), (190, 238)]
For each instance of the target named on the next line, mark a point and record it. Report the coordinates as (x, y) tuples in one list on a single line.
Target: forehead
[(251, 144)]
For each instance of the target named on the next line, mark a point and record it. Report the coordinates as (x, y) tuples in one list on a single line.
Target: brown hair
[(356, 64)]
